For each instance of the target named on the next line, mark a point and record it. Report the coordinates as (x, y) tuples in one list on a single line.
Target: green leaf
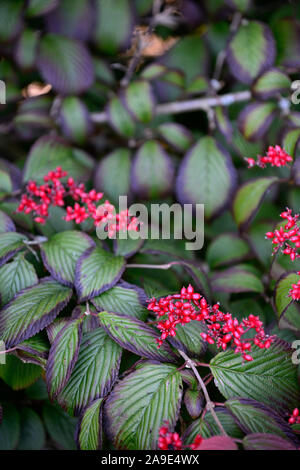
[(32, 435), (120, 119), (6, 224), (270, 83), (25, 53), (113, 174), (18, 375), (236, 280), (176, 135), (207, 427), (287, 33), (15, 276), (112, 30), (32, 310), (226, 249), (140, 100), (11, 14), (241, 5), (89, 428), (10, 244), (125, 299), (63, 355), (271, 378), (188, 339), (40, 7), (140, 403), (94, 373), (248, 199), (60, 426), (65, 63), (135, 336), (290, 141), (256, 38), (61, 253), (49, 152), (255, 120), (152, 171), (9, 426), (75, 120), (253, 417), (288, 311), (206, 176), (97, 270)]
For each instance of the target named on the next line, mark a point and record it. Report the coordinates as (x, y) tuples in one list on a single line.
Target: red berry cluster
[(223, 329), (171, 440), (287, 238), (39, 198), (275, 156), (295, 417)]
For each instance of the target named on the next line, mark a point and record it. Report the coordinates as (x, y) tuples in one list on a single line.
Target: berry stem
[(209, 404)]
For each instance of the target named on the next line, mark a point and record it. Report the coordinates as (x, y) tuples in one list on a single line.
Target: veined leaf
[(256, 38), (6, 224), (60, 426), (9, 427), (288, 311), (270, 83), (61, 253), (15, 276), (261, 441), (119, 118), (89, 427), (140, 403), (97, 270), (95, 371), (249, 198), (206, 176), (177, 136), (254, 417), (32, 436), (18, 375), (124, 298), (136, 336), (271, 378), (63, 355), (32, 310), (10, 244)]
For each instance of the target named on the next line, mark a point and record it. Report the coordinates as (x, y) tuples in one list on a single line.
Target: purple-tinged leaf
[(94, 374), (141, 403), (31, 310), (66, 64), (139, 100), (295, 173), (188, 339), (124, 298), (10, 244), (255, 120), (96, 271), (194, 402), (136, 336), (89, 433), (34, 350), (288, 312), (287, 35), (223, 123), (6, 224), (206, 176), (176, 135), (25, 53), (11, 19), (256, 38), (18, 375), (270, 84), (249, 198), (271, 378), (40, 7), (261, 441), (63, 355), (119, 118), (290, 141), (61, 253), (218, 443), (152, 171), (240, 5), (16, 276), (75, 120), (252, 417), (235, 280), (72, 18)]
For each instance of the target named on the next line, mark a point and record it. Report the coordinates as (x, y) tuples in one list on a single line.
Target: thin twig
[(222, 54), (8, 350), (196, 104), (155, 266), (209, 404)]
